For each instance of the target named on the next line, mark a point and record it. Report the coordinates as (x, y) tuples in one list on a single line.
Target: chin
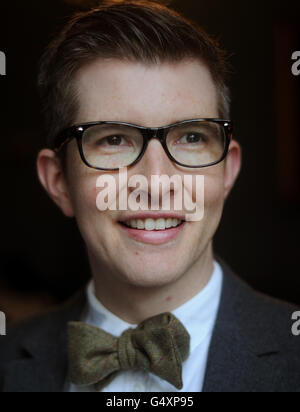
[(151, 276)]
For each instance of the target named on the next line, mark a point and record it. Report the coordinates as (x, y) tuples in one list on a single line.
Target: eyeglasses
[(111, 146)]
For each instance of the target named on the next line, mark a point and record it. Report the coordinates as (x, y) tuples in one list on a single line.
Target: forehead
[(149, 95)]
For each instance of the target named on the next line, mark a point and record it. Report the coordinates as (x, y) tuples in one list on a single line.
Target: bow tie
[(159, 345)]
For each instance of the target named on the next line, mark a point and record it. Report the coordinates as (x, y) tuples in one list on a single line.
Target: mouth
[(152, 224), (153, 231)]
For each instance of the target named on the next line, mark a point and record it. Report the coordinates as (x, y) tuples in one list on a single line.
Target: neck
[(134, 304)]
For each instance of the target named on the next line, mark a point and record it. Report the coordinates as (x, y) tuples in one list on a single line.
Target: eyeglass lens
[(112, 146)]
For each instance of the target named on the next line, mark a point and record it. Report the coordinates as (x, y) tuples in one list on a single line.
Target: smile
[(154, 231), (153, 224)]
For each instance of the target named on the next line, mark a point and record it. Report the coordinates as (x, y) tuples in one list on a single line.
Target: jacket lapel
[(43, 362), (240, 350)]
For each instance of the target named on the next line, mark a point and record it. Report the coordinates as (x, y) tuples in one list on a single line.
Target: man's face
[(151, 96)]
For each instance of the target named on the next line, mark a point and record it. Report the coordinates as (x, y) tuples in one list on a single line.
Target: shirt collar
[(198, 315)]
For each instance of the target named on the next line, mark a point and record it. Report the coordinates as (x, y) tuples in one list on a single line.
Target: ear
[(52, 178), (232, 166)]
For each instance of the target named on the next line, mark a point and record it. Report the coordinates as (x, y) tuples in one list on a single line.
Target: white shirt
[(198, 315)]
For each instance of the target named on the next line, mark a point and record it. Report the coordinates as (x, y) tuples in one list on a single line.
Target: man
[(134, 86)]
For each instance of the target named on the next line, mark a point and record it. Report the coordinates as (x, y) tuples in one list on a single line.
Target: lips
[(153, 228), (153, 224)]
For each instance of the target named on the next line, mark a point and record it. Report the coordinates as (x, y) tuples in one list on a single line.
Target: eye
[(192, 138), (114, 140)]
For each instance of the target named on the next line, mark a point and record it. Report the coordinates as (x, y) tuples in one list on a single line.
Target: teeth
[(150, 224), (174, 222), (153, 224), (169, 223), (140, 224), (160, 224), (134, 224)]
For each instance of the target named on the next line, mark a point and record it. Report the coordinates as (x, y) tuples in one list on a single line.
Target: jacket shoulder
[(268, 321), (39, 329), (252, 344)]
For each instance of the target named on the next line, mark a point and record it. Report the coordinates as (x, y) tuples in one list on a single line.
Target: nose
[(155, 162)]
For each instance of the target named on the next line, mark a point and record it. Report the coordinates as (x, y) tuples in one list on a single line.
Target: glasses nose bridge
[(158, 133)]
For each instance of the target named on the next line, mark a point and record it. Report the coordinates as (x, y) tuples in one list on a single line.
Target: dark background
[(42, 256)]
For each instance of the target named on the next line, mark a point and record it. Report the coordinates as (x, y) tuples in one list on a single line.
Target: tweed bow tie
[(159, 345)]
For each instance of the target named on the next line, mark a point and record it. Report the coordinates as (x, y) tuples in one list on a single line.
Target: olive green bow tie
[(159, 345)]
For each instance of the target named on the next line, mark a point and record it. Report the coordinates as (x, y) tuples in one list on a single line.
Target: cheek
[(87, 198), (84, 194), (86, 213), (214, 193), (214, 204), (213, 189), (81, 181)]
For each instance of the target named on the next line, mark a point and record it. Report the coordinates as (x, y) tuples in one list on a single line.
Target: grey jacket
[(252, 349)]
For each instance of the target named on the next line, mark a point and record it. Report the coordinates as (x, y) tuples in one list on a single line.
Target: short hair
[(137, 31)]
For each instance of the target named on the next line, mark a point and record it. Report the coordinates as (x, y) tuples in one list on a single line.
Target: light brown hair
[(140, 31)]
